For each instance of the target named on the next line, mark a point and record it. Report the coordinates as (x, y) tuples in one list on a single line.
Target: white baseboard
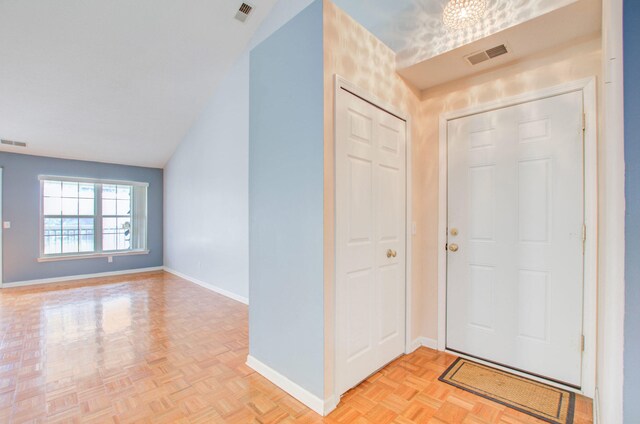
[(596, 407), (211, 287), (424, 341), (320, 406), (80, 277)]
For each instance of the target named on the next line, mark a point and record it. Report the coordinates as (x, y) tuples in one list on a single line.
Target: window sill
[(91, 255)]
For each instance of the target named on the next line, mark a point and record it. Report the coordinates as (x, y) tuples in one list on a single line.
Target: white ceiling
[(576, 21), (116, 81)]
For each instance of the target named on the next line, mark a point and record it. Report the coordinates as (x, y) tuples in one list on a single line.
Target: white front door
[(515, 242), (370, 239)]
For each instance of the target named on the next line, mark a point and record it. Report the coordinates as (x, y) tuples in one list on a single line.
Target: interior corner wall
[(206, 186), (574, 61), (21, 207), (286, 201), (206, 179), (632, 230)]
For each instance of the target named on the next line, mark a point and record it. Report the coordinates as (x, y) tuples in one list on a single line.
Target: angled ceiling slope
[(113, 81)]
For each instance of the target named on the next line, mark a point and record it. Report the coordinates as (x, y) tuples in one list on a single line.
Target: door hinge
[(584, 232), (584, 121), (582, 343)]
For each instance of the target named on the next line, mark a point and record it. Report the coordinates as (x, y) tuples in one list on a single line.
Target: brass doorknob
[(391, 253), (453, 247)]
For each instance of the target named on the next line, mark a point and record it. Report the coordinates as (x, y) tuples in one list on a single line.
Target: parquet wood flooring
[(153, 348)]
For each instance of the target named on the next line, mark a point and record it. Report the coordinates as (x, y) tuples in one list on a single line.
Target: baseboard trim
[(320, 406), (424, 341), (596, 407), (80, 277), (211, 287)]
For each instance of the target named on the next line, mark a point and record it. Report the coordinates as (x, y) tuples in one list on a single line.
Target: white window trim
[(74, 256), (91, 180), (97, 225)]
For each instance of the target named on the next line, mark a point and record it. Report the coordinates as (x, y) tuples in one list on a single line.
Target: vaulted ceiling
[(116, 81)]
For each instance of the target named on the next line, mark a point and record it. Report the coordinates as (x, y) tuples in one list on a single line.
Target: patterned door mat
[(539, 400)]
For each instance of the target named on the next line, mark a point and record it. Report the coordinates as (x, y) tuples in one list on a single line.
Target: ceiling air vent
[(243, 12), (476, 58), (497, 51), (483, 56), (14, 143)]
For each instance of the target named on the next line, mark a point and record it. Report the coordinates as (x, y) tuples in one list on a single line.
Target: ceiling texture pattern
[(415, 31)]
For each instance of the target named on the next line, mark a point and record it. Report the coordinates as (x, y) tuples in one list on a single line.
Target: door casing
[(588, 88), (1, 229), (341, 83)]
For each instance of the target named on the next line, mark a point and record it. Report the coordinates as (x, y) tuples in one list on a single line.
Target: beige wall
[(355, 54)]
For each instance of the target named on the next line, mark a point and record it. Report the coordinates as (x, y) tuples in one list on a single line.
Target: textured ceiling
[(414, 28)]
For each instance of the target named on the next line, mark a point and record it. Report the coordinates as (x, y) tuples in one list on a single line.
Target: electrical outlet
[(6, 225), (110, 259)]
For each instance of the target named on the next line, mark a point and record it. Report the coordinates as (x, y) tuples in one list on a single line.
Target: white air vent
[(243, 12), (483, 56), (14, 143)]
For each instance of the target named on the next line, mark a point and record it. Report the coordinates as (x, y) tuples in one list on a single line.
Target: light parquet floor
[(153, 348)]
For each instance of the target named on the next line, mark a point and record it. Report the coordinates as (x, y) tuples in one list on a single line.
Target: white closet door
[(515, 215), (370, 239)]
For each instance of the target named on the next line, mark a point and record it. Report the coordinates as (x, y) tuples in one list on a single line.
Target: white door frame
[(1, 234), (589, 324), (340, 84)]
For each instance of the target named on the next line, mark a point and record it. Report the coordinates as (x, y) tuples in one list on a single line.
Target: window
[(82, 217)]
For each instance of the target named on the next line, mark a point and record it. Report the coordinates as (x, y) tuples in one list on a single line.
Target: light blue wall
[(206, 191), (632, 164), (286, 139), (21, 206), (206, 181)]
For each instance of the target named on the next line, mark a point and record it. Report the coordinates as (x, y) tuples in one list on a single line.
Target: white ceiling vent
[(14, 143), (485, 55), (243, 12)]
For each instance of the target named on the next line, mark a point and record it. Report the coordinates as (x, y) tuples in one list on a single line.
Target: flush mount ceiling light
[(460, 14)]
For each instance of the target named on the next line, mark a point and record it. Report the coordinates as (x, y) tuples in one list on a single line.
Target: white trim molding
[(208, 286), (611, 306), (1, 230), (316, 404), (424, 342), (73, 257), (92, 180), (588, 88), (80, 277)]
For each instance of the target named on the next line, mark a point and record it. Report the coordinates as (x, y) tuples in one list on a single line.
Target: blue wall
[(632, 163), (21, 206), (286, 140)]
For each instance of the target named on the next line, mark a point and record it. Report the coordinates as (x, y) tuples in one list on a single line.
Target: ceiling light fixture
[(460, 14)]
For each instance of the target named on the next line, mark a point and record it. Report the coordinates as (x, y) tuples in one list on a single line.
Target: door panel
[(370, 222), (515, 196)]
